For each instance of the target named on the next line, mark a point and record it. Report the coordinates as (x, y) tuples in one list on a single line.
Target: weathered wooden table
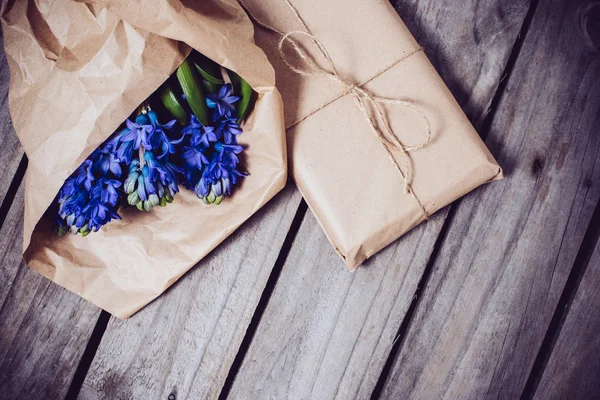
[(497, 296)]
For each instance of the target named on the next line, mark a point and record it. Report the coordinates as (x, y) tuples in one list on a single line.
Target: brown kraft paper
[(336, 160), (78, 70)]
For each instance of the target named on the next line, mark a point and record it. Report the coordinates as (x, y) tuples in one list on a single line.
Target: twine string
[(369, 104)]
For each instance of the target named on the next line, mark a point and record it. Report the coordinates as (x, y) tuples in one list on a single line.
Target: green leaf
[(246, 93), (208, 77), (192, 88), (172, 104), (208, 65), (209, 70), (211, 83)]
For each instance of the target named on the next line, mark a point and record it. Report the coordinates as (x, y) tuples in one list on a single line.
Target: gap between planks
[(584, 255), (401, 334), (12, 189), (88, 356), (264, 299)]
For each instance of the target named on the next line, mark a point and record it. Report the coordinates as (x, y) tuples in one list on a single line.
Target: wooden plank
[(185, 341), (573, 370), (326, 332), (509, 250), (11, 153), (44, 328)]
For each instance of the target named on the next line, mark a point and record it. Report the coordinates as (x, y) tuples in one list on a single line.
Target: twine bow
[(367, 102)]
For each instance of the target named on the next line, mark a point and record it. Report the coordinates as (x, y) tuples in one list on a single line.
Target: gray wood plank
[(510, 248), (43, 327), (185, 341), (573, 370), (326, 332), (11, 151)]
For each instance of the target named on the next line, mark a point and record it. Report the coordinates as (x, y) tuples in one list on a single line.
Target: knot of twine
[(366, 101)]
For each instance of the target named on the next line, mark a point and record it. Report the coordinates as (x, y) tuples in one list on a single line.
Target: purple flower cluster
[(89, 197), (152, 176), (209, 159), (156, 157)]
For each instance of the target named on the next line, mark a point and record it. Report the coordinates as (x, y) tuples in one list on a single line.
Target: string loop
[(369, 104)]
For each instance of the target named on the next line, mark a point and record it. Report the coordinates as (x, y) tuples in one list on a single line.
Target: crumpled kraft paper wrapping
[(337, 162), (77, 72)]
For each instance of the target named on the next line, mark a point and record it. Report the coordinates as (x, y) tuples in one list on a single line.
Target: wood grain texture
[(185, 341), (573, 370), (11, 153), (468, 42), (326, 332), (44, 328), (509, 250)]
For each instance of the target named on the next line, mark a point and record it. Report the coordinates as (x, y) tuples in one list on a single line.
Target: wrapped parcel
[(78, 70), (336, 159)]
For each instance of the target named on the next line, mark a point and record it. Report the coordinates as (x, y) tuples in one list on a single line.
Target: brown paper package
[(336, 160), (77, 72)]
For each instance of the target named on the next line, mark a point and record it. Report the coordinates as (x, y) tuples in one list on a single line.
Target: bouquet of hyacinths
[(134, 111), (184, 134)]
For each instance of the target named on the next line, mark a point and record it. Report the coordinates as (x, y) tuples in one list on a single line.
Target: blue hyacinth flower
[(139, 132), (227, 130), (83, 175), (220, 174), (158, 138), (222, 102), (194, 157), (199, 133), (105, 160), (106, 191), (86, 211), (98, 214), (163, 174), (153, 184)]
